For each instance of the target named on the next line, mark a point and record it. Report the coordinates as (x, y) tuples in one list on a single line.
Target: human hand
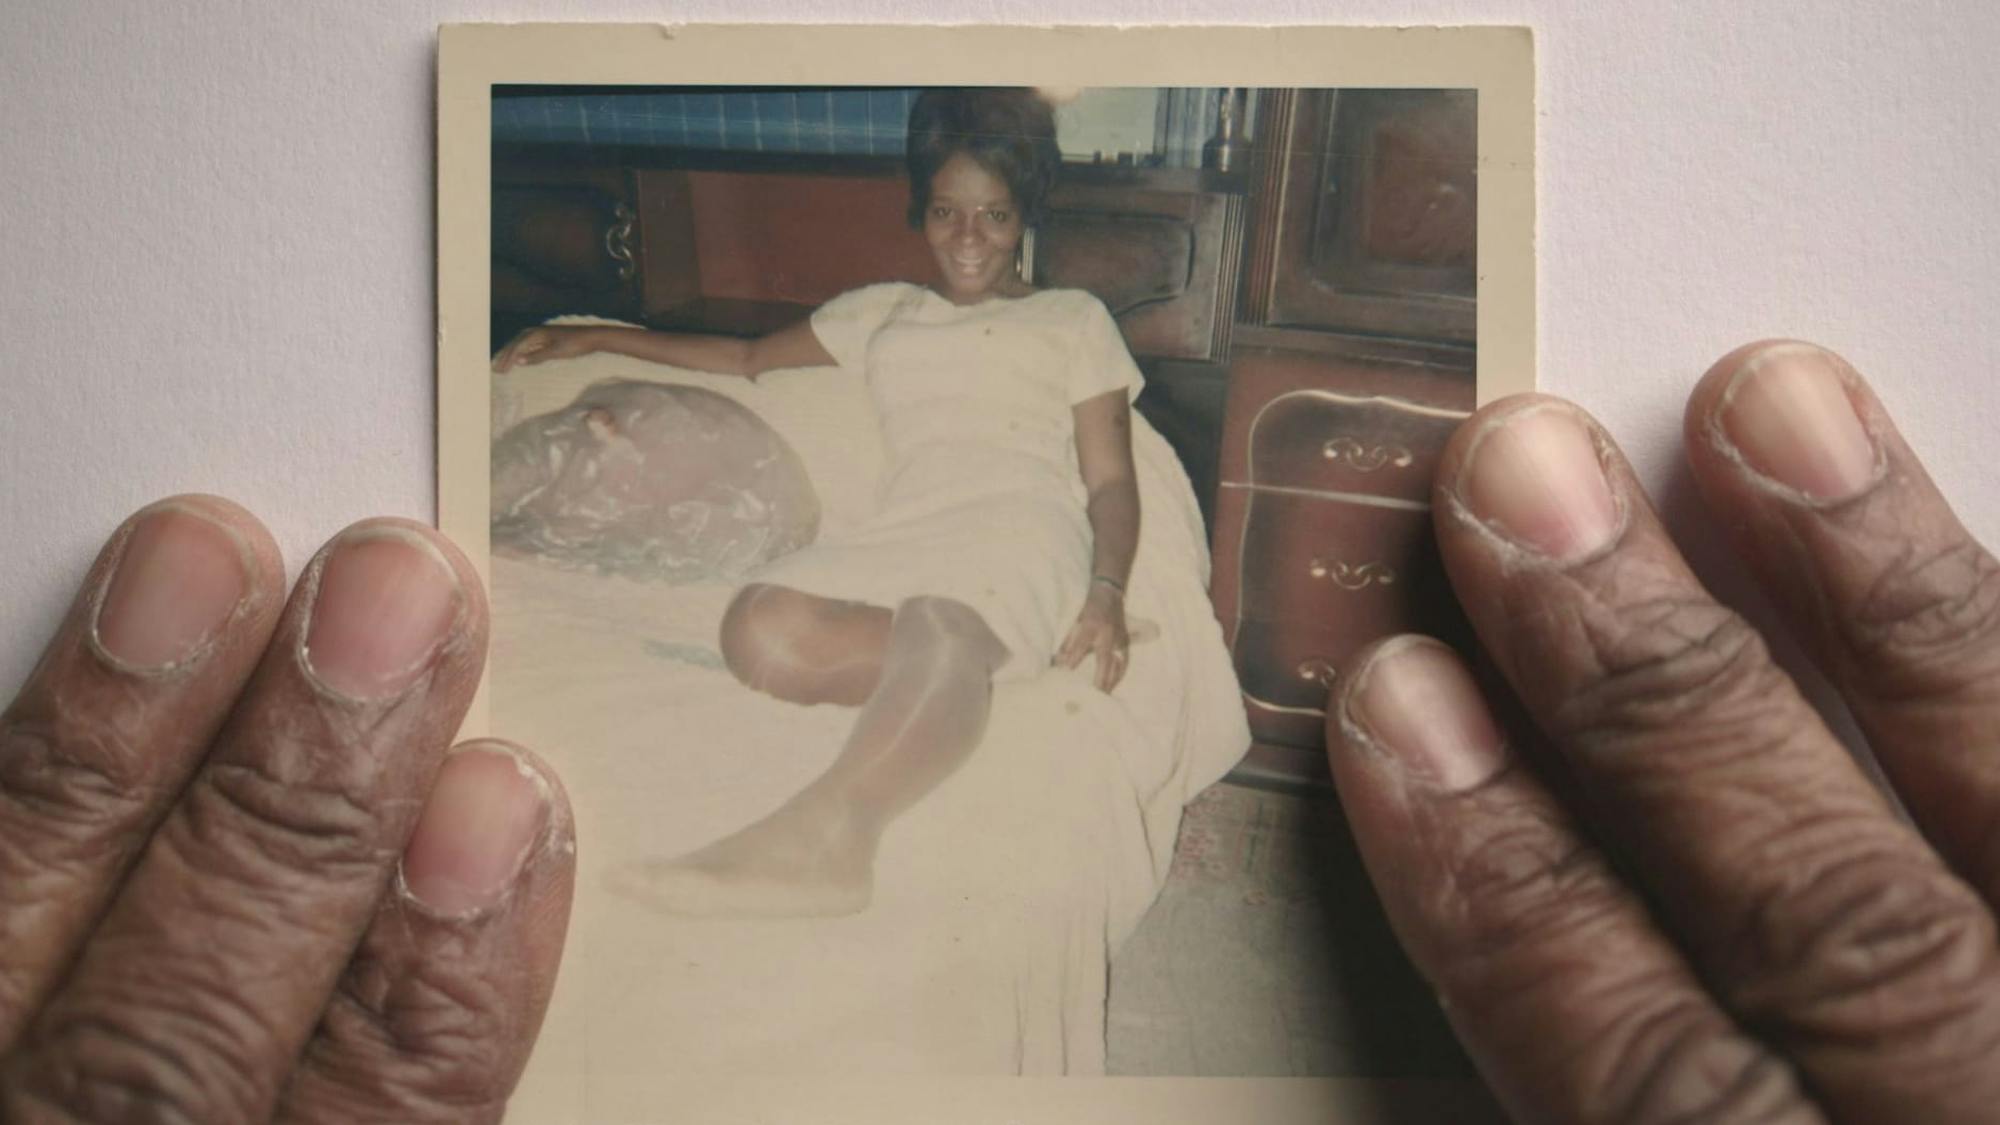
[(203, 913), (1729, 921), (1099, 632), (539, 345)]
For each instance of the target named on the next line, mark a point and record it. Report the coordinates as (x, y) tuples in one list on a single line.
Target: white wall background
[(216, 270)]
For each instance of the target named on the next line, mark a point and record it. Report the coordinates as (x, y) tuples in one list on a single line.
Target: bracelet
[(1111, 582)]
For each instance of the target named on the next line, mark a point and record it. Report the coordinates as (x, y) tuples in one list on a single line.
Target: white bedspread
[(998, 899)]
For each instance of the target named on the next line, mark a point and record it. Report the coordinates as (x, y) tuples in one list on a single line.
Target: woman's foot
[(805, 860)]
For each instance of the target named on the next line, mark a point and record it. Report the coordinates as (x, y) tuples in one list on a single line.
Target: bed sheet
[(999, 898)]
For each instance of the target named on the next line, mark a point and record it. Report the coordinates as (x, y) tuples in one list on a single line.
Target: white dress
[(982, 498)]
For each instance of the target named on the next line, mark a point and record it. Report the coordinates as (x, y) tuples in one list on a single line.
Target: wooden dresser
[(1351, 364)]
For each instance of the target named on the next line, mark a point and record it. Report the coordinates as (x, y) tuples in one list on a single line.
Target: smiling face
[(973, 227)]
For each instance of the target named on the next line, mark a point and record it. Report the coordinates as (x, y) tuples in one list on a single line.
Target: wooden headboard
[(745, 244)]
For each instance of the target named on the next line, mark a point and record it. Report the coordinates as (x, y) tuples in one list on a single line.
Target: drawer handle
[(1366, 458), (1315, 670), (1347, 576), (618, 241)]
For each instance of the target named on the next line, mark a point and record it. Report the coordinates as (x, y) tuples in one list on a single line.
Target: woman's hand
[(1680, 898), (1099, 631), (539, 345), (239, 874)]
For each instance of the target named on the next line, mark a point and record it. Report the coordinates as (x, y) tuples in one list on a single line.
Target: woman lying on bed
[(1009, 500)]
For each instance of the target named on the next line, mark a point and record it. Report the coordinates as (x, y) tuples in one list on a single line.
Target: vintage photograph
[(925, 521)]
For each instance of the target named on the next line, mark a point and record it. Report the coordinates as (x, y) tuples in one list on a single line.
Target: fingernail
[(1415, 700), (1534, 477), (180, 578), (484, 815), (1788, 413), (385, 603)]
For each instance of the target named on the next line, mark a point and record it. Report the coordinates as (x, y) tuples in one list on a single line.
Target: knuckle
[(1677, 664), (428, 1036), (116, 1065), (310, 824), (1877, 946), (1522, 882), (71, 803), (1681, 1062), (1543, 929), (67, 772), (1929, 620)]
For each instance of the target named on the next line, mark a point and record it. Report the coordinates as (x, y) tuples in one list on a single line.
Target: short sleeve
[(1101, 362), (845, 324)]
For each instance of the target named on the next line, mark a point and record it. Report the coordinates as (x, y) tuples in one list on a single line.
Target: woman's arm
[(1104, 454), (795, 346)]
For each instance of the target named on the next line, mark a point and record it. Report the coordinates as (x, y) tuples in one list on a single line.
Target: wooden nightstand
[(1323, 537), (1352, 364)]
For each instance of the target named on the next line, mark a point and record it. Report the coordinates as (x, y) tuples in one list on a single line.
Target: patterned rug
[(1267, 955)]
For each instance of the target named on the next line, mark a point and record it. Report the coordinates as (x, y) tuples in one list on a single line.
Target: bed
[(999, 899)]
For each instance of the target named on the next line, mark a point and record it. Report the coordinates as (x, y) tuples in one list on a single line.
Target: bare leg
[(805, 649), (815, 855)]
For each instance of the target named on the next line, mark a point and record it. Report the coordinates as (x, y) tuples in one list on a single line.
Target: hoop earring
[(1024, 256)]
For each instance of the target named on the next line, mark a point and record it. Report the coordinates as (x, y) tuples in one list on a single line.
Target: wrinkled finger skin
[(1574, 1004), (1821, 922), (94, 749), (435, 1017), (201, 985), (1897, 603)]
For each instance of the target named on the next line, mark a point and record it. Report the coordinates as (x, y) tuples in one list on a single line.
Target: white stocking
[(927, 714), (815, 854)]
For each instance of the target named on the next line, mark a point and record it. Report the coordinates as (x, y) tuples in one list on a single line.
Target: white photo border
[(1498, 62)]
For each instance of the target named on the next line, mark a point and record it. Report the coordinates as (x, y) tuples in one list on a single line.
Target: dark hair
[(1010, 131)]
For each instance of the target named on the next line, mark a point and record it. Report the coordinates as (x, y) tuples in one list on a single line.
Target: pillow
[(650, 480), (823, 413)]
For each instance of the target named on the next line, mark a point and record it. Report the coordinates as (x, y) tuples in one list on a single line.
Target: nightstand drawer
[(1338, 424), (1326, 441), (1287, 671), (1355, 567)]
